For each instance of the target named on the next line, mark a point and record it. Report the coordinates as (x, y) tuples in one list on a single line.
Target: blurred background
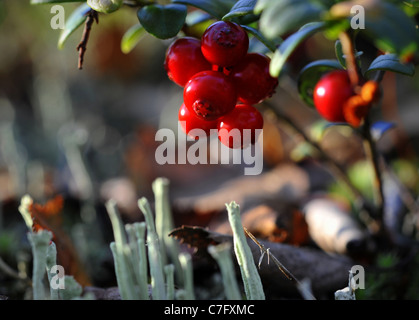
[(88, 135)]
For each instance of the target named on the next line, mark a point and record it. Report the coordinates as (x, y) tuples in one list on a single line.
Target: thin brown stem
[(92, 16), (351, 63), (337, 169), (373, 156), (369, 144), (280, 266)]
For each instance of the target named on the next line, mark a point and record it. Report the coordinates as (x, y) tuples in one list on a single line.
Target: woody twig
[(92, 16)]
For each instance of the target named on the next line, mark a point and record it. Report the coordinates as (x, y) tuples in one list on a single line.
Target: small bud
[(104, 6)]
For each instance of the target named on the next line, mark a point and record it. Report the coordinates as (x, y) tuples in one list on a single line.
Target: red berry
[(252, 78), (330, 94), (232, 127), (189, 121), (210, 94), (224, 43), (184, 59)]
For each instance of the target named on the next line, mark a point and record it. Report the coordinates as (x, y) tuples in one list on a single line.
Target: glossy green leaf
[(310, 75), (75, 20), (390, 62), (270, 44), (163, 22), (241, 8), (391, 29), (131, 38), (339, 53), (53, 1), (290, 44), (284, 16), (105, 6), (216, 8), (341, 57)]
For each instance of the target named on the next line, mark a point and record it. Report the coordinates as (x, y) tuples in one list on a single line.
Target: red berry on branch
[(224, 43), (240, 127), (252, 79), (210, 94), (330, 94), (184, 59), (189, 121)]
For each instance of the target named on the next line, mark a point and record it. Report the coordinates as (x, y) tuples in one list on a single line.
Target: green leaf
[(216, 8), (105, 6), (196, 17), (270, 44), (290, 44), (241, 8), (335, 28), (390, 62), (197, 22), (391, 29), (284, 16), (163, 22), (131, 38), (53, 1), (341, 57), (310, 75), (76, 19), (339, 53)]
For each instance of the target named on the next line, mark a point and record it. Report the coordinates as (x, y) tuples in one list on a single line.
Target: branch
[(373, 156), (337, 169), (306, 293), (369, 144), (351, 64), (92, 16)]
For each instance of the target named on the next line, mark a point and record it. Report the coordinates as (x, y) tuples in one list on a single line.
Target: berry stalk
[(369, 144)]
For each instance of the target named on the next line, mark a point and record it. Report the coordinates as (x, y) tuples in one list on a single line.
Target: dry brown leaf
[(49, 216)]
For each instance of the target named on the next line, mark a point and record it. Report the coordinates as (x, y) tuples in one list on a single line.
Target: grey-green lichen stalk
[(251, 279)]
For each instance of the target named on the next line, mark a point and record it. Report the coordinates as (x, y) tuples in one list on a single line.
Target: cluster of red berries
[(336, 100), (221, 81)]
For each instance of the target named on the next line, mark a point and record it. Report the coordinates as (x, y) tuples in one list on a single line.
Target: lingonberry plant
[(224, 43), (252, 79), (190, 121), (230, 69), (331, 93), (243, 117), (184, 59), (210, 95)]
